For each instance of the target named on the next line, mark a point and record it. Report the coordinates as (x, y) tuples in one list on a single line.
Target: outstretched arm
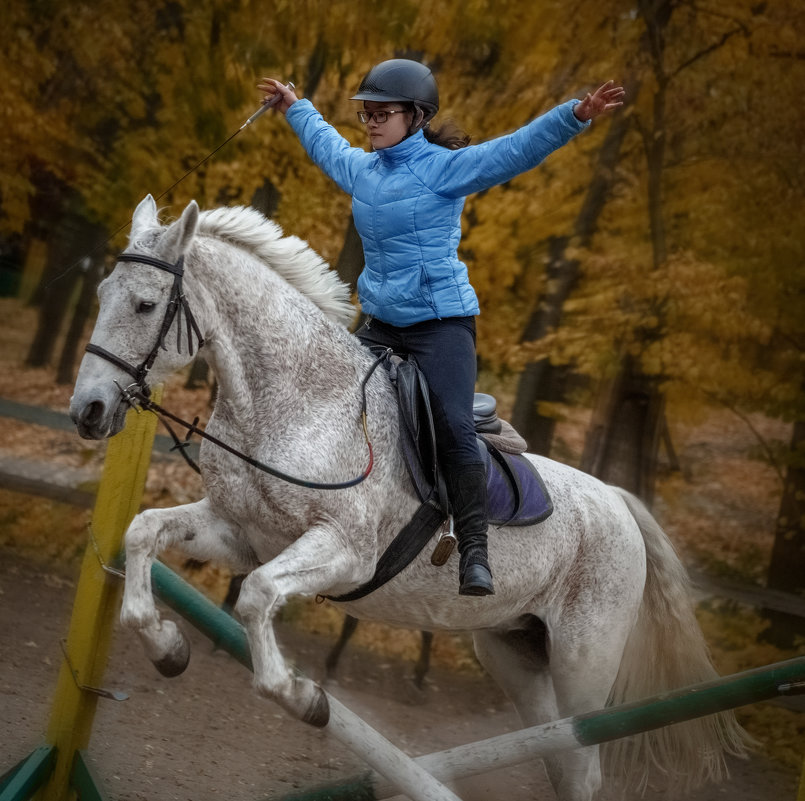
[(482, 166), (604, 99), (329, 150)]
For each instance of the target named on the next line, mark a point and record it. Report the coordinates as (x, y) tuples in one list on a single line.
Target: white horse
[(592, 605)]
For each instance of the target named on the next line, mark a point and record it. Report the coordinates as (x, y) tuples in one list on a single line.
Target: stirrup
[(445, 544)]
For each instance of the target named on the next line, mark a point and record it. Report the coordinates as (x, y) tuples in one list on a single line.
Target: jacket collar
[(403, 150)]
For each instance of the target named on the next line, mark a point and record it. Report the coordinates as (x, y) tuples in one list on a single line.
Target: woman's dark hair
[(449, 136)]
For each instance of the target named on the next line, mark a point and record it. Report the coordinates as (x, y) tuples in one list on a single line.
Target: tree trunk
[(83, 309), (315, 68), (350, 263), (787, 567), (350, 259), (33, 269), (540, 380), (67, 243), (47, 209), (623, 439), (266, 198), (622, 445), (199, 373), (51, 317)]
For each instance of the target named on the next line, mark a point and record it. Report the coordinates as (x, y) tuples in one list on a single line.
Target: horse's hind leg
[(558, 674), (347, 630), (423, 663), (517, 660), (587, 643), (201, 534)]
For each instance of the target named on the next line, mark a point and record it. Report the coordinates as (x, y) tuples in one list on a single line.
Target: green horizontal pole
[(513, 748), (209, 619), (696, 701)]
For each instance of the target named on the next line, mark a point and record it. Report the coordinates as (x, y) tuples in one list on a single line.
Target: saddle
[(516, 493)]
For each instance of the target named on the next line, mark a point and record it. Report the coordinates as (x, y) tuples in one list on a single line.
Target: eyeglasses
[(379, 116)]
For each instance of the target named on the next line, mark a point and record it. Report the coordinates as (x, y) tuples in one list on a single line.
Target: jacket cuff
[(571, 104)]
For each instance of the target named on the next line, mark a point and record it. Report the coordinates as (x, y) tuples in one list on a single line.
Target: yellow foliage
[(118, 105)]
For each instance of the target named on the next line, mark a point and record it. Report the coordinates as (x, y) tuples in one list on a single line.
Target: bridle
[(138, 394), (177, 303)]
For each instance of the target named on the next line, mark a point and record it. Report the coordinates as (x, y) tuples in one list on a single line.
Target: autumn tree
[(649, 246), (541, 380)]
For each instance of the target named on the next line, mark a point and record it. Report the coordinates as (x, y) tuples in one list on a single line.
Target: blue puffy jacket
[(407, 202)]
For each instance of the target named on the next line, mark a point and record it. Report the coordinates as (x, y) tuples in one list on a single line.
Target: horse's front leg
[(319, 560), (198, 531)]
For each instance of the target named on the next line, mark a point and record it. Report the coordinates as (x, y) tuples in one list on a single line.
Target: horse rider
[(408, 193)]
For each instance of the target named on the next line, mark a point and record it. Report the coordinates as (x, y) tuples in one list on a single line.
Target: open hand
[(604, 99)]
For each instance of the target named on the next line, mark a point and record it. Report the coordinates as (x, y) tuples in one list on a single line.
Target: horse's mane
[(288, 256)]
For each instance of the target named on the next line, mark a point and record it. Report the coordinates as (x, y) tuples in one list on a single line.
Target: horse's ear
[(180, 234), (144, 217)]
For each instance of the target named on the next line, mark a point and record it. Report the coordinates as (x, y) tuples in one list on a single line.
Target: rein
[(138, 394)]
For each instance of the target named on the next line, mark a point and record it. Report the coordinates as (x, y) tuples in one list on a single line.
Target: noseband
[(177, 303)]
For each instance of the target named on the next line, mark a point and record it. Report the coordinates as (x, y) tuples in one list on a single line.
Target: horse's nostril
[(93, 414)]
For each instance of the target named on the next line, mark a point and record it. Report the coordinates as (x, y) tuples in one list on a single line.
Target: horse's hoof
[(415, 694), (318, 712), (174, 664), (167, 648)]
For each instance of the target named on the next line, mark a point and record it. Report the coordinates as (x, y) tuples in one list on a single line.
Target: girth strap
[(403, 549)]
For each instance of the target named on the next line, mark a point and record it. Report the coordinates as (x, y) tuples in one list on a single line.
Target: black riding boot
[(466, 487)]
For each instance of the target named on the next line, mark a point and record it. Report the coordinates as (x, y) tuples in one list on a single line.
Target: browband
[(176, 269)]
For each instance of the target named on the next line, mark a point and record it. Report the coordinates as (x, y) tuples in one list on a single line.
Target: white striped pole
[(514, 748), (388, 760), (698, 700), (420, 778)]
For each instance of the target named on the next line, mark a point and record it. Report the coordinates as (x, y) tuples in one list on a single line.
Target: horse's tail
[(665, 651)]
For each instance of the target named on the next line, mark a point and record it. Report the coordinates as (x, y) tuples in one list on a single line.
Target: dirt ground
[(206, 735)]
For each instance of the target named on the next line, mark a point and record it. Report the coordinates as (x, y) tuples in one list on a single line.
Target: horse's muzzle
[(98, 419)]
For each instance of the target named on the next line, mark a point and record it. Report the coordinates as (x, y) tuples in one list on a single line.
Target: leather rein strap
[(138, 394)]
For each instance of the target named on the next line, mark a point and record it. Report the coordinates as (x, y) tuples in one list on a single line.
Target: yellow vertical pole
[(97, 598)]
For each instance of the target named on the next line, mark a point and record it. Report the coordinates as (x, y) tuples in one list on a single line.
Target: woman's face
[(393, 130)]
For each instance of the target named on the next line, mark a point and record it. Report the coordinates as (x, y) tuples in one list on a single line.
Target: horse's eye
[(145, 306)]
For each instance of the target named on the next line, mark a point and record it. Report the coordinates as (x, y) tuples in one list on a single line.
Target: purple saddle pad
[(516, 493)]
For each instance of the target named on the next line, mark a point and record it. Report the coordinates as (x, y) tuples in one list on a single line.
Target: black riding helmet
[(401, 80)]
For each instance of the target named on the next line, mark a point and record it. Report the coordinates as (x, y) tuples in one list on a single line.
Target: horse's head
[(137, 303)]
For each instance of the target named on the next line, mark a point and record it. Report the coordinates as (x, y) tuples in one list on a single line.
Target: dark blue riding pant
[(445, 352)]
